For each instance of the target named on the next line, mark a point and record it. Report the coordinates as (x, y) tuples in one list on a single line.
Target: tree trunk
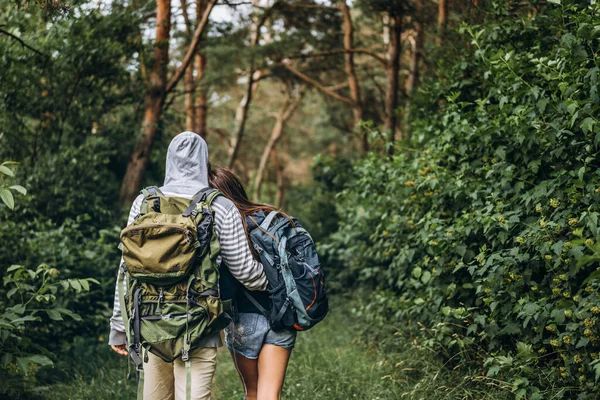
[(285, 112), (442, 19), (391, 72), (357, 108), (279, 170), (188, 79), (190, 89), (201, 101), (241, 115), (415, 57), (154, 99), (416, 51), (201, 106), (153, 102)]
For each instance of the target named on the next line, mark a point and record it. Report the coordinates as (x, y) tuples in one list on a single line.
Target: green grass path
[(327, 363)]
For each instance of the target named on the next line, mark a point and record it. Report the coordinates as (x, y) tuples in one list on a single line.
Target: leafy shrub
[(28, 301), (485, 244)]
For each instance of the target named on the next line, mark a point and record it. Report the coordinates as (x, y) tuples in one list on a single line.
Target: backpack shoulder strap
[(212, 196), (267, 221), (203, 195), (147, 192)]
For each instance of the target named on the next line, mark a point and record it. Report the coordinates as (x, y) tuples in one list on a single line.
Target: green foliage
[(484, 245), (68, 101), (6, 191), (28, 300)]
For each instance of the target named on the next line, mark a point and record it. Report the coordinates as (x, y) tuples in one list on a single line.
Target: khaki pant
[(167, 381)]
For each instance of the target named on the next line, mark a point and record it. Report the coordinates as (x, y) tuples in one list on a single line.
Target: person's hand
[(119, 348)]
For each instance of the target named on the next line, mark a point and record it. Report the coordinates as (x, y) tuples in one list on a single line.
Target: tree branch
[(244, 106), (263, 76), (317, 85), (223, 134), (376, 56), (235, 4), (18, 39), (186, 17), (339, 86), (318, 6), (192, 49)]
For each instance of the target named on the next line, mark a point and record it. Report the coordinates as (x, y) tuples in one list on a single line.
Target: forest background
[(443, 153)]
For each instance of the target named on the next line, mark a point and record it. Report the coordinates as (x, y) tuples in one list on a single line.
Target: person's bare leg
[(248, 370), (272, 364)]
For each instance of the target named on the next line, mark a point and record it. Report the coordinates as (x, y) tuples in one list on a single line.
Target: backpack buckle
[(185, 355)]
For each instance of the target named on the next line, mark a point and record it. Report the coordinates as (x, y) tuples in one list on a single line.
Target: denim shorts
[(251, 331)]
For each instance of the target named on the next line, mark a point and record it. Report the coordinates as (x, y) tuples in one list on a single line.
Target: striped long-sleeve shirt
[(235, 253)]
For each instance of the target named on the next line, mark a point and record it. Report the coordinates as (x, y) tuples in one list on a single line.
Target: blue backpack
[(296, 281)]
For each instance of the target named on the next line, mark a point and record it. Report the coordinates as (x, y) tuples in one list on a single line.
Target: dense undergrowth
[(481, 235), (327, 363)]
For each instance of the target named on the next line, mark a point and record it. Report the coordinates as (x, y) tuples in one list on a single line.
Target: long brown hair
[(228, 183)]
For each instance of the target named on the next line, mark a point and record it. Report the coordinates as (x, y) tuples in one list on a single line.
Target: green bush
[(29, 301), (485, 243)]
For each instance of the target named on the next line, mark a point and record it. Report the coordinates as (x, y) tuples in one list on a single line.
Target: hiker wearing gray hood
[(186, 174)]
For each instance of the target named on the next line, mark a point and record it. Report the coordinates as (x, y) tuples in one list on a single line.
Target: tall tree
[(195, 103), (188, 78), (392, 36), (416, 42), (357, 107), (393, 14), (290, 105), (201, 104), (279, 177), (253, 75), (200, 62), (442, 20), (156, 92)]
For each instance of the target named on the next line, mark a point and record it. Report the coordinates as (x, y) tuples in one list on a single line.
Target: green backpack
[(170, 299)]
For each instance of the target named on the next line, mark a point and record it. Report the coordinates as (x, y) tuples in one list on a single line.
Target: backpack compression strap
[(256, 303)]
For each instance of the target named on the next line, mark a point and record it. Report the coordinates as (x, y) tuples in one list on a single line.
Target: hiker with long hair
[(260, 354)]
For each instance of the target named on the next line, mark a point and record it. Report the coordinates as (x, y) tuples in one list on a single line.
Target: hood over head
[(187, 162)]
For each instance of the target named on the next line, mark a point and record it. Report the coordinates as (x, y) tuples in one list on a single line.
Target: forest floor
[(329, 362)]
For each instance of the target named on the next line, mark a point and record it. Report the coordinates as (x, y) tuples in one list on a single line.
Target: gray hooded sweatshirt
[(187, 173)]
